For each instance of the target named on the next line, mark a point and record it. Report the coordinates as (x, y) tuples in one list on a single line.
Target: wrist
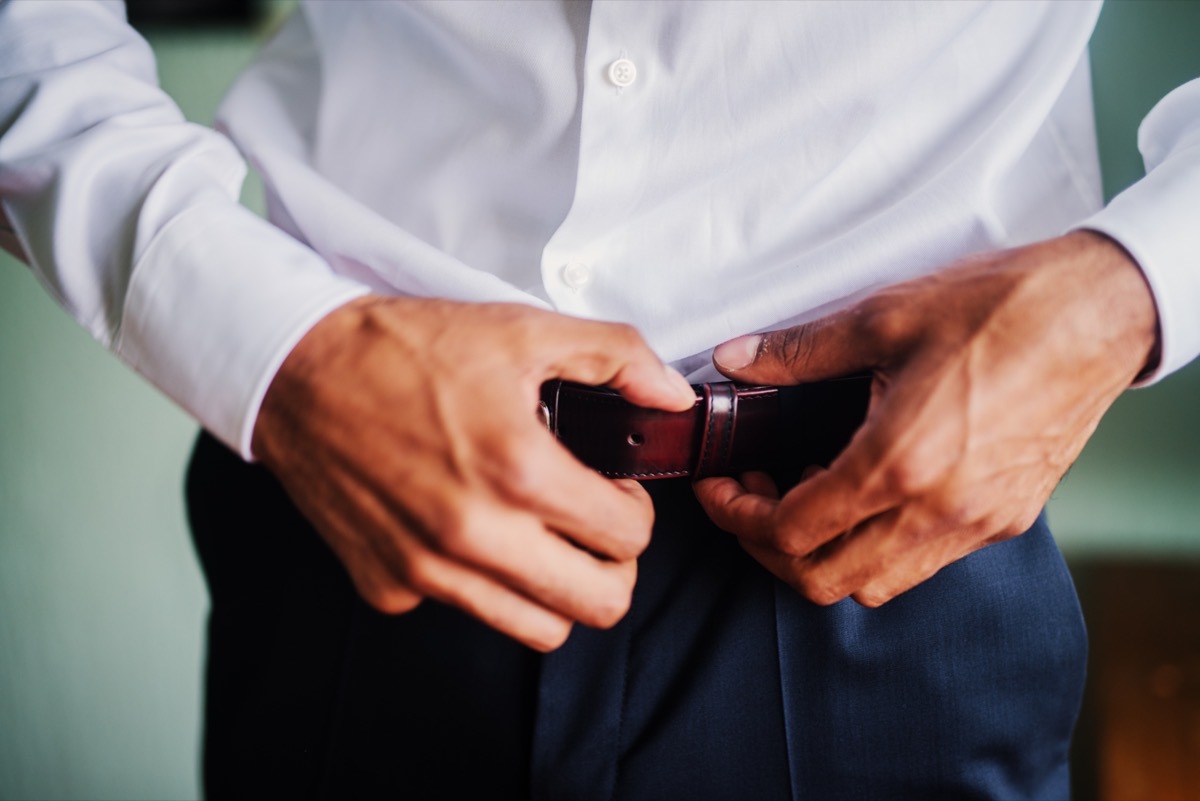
[(291, 393), (1124, 297)]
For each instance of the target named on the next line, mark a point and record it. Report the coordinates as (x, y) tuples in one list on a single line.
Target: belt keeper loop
[(716, 438), (554, 409), (548, 405)]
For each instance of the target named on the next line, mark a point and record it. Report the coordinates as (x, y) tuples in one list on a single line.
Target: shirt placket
[(581, 265), (581, 694)]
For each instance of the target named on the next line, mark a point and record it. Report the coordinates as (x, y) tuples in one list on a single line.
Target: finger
[(856, 487), (800, 573), (394, 573), (760, 483), (615, 355), (633, 488), (551, 570), (781, 565), (740, 508), (851, 561), (886, 557), (402, 600), (515, 549), (889, 459), (825, 348), (820, 508), (342, 526), (492, 603), (880, 559), (376, 539), (921, 546), (734, 508), (609, 518), (810, 471), (373, 578)]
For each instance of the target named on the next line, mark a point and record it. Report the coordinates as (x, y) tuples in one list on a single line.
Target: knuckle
[(995, 527), (1002, 533), (787, 537), (462, 533), (419, 575), (522, 325), (819, 593), (621, 337), (631, 540), (392, 600), (910, 476), (626, 335), (879, 320), (1024, 521), (790, 546), (607, 615), (955, 511), (795, 345), (551, 637), (639, 541), (789, 348), (611, 608), (522, 481), (526, 333), (873, 598), (620, 548), (928, 564)]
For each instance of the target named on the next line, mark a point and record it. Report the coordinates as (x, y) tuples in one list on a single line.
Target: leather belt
[(730, 429)]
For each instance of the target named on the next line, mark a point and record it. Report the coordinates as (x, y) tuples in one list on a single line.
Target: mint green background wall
[(101, 604), (1136, 487)]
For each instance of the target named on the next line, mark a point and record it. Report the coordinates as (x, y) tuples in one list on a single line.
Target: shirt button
[(576, 274), (622, 72)]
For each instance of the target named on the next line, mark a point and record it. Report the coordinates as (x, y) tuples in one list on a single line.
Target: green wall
[(102, 606), (1136, 487)]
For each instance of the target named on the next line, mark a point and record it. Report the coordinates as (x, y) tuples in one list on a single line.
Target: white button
[(622, 72), (576, 274)]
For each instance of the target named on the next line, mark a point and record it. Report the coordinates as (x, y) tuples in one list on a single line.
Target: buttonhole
[(635, 439)]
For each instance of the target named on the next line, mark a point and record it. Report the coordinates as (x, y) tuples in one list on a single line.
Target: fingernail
[(676, 379), (737, 353)]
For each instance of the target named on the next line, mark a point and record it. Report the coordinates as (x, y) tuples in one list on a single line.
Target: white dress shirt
[(700, 170)]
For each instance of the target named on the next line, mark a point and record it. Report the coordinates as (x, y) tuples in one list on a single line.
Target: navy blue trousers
[(720, 683)]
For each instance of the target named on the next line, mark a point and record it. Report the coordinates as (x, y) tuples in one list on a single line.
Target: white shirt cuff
[(215, 304), (1153, 221)]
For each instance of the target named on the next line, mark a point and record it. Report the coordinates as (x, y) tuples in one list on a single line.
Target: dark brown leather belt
[(730, 429)]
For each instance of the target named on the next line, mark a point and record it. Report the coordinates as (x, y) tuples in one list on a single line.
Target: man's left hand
[(989, 377)]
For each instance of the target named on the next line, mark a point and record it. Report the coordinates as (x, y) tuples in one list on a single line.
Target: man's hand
[(989, 378), (406, 431)]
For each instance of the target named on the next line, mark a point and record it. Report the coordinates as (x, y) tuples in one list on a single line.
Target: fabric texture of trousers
[(720, 683)]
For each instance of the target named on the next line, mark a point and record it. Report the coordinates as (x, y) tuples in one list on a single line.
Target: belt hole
[(635, 439)]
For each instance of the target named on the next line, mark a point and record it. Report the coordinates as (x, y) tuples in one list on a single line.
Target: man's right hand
[(405, 430)]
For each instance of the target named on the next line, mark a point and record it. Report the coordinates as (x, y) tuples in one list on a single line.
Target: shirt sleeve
[(1157, 220), (128, 215)]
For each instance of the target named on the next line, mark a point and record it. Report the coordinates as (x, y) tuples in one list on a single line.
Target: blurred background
[(102, 606)]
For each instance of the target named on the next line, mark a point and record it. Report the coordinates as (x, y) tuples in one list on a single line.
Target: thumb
[(824, 348), (615, 355)]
